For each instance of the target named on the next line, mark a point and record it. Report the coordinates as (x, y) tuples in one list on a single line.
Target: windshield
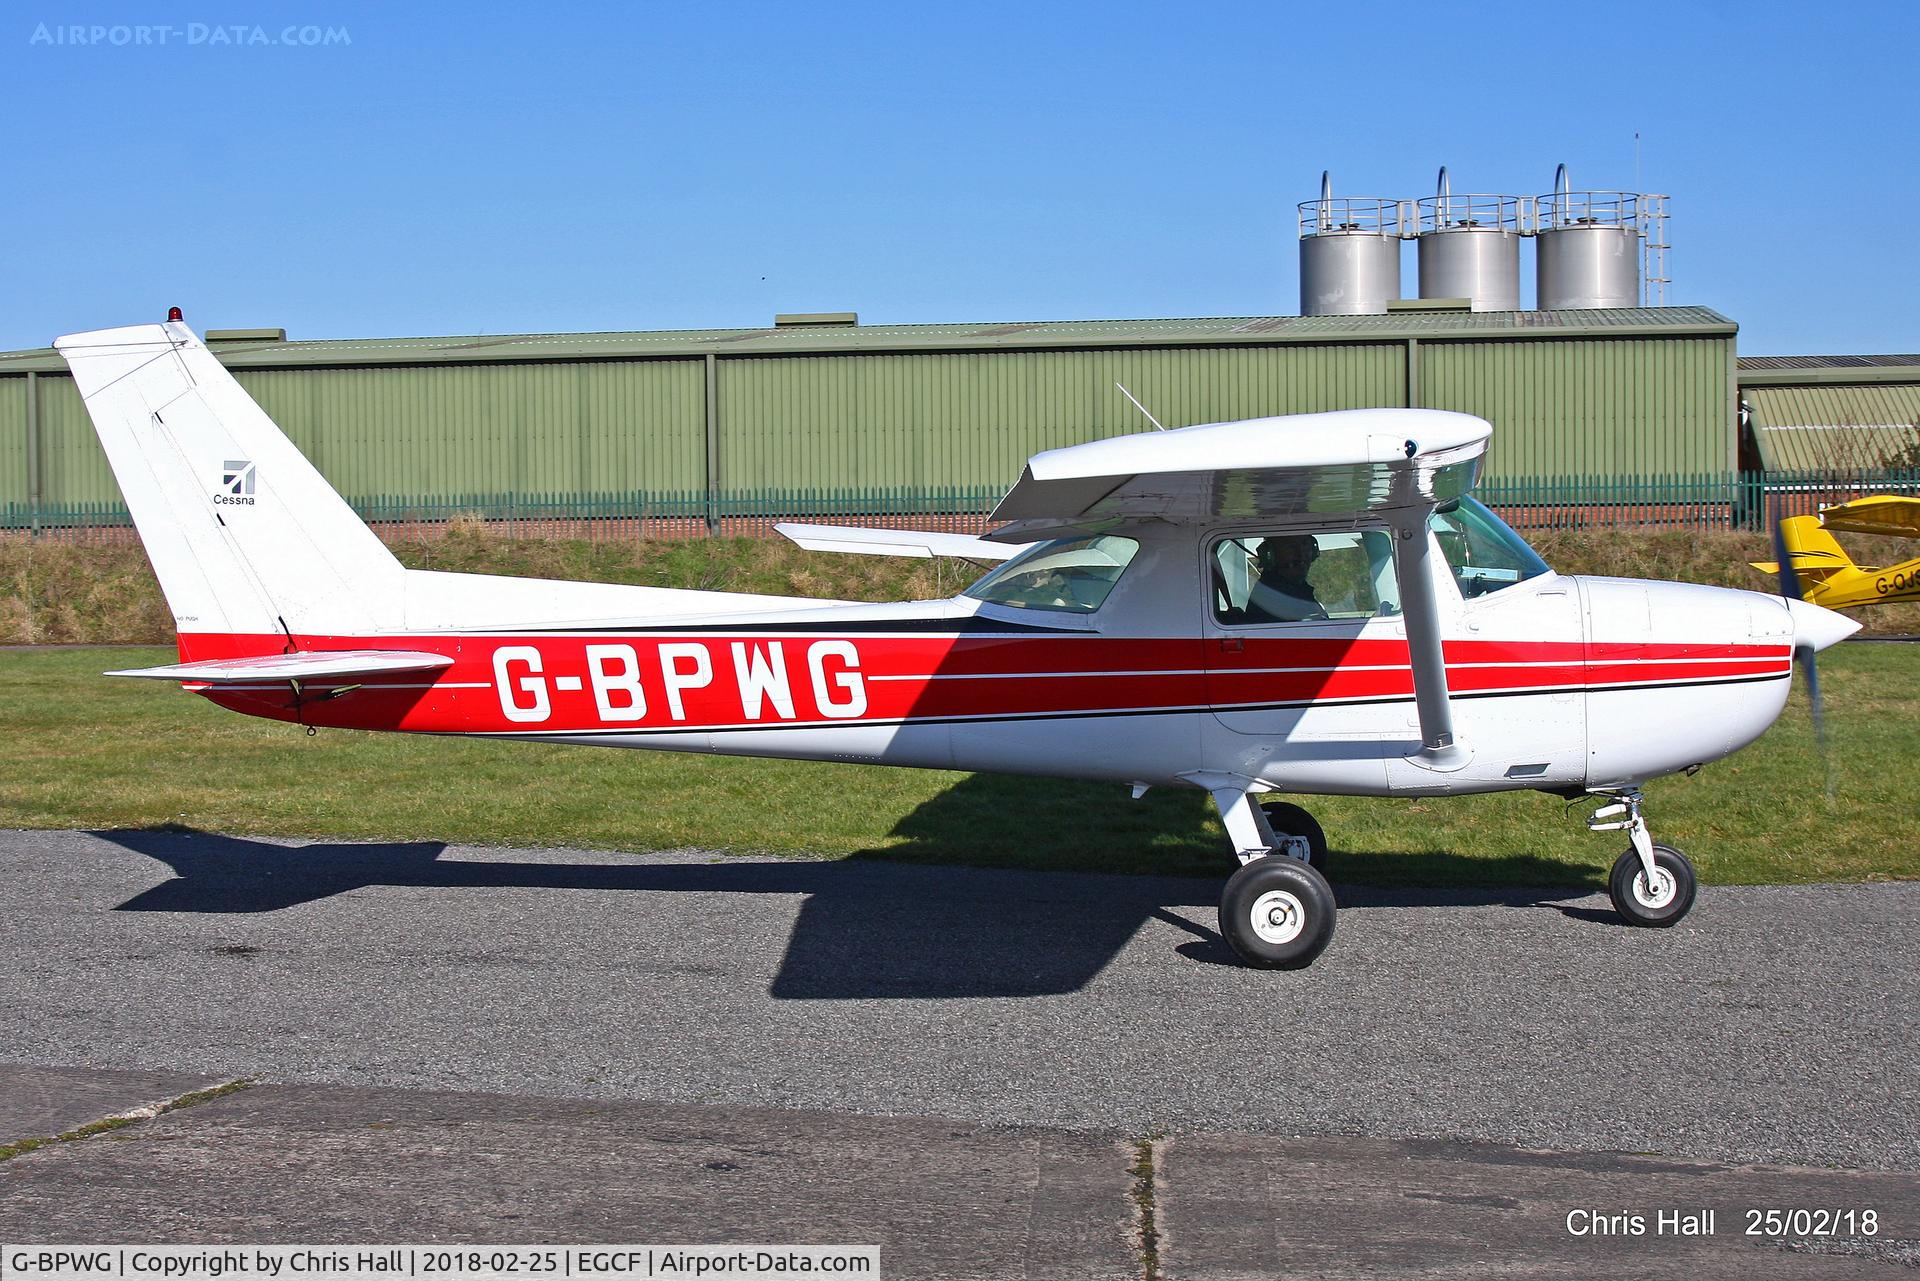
[(1073, 575), (1482, 552)]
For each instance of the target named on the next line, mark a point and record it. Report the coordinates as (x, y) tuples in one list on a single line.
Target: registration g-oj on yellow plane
[(1307, 604), (1825, 573)]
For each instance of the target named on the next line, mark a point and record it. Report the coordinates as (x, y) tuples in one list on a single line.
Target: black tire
[(1277, 913), (1288, 819), (1627, 884)]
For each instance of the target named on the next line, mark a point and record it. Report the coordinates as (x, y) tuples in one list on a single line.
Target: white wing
[(894, 542), (1346, 462)]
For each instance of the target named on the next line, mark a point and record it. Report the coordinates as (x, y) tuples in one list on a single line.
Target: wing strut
[(1419, 598)]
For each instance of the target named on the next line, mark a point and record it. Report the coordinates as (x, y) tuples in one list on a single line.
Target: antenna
[(1142, 408)]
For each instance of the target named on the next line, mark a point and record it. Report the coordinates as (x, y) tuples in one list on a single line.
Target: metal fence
[(1747, 501)]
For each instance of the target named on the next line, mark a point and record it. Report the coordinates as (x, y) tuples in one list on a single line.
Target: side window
[(1069, 575), (1297, 578)]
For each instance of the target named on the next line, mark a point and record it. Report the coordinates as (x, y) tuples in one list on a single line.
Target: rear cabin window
[(1304, 578), (1068, 575)]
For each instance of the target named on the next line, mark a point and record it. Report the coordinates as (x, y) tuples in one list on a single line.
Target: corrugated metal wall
[(969, 420), (1836, 427), (431, 430), (1591, 407), (13, 440), (72, 467), (468, 429), (938, 421)]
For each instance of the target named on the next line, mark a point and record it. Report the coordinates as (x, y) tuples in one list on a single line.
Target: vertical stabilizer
[(1814, 553), (244, 535)]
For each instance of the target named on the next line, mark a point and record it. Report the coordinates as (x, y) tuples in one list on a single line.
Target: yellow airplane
[(1827, 575)]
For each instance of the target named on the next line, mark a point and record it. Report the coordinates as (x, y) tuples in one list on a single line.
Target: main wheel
[(1288, 819), (1657, 905), (1277, 913)]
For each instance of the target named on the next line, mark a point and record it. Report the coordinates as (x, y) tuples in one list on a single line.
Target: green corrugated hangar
[(822, 403), (1831, 413)]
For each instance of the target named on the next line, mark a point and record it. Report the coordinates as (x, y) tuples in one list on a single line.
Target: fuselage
[(1559, 683)]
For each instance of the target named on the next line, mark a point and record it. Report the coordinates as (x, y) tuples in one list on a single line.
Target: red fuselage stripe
[(578, 683)]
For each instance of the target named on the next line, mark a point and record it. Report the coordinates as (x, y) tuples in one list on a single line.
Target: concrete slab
[(340, 1164), (1246, 1206), (36, 1102)]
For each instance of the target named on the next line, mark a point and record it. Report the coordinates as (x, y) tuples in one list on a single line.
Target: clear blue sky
[(502, 168)]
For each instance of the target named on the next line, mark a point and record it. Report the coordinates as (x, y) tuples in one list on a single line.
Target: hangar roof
[(1816, 371), (1423, 325), (1834, 428)]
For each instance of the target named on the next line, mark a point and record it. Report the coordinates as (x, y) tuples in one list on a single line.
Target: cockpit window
[(1483, 553), (1293, 577), (1072, 575)]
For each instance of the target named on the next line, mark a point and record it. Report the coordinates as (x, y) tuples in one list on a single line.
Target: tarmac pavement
[(922, 1057)]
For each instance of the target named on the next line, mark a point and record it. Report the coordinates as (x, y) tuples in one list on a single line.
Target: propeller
[(1803, 651)]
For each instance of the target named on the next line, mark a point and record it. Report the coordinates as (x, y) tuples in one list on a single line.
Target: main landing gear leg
[(1276, 912), (1651, 885)]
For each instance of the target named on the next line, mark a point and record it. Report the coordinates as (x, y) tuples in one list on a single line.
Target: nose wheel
[(1651, 885), (1658, 901)]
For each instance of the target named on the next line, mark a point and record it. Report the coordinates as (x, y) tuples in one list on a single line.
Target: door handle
[(1232, 645)]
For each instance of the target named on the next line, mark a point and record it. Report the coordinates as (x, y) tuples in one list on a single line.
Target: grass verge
[(84, 752)]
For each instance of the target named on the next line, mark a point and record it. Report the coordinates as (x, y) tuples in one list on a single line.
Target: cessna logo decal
[(236, 483)]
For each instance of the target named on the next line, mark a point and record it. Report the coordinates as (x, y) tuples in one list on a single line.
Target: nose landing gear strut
[(1651, 885)]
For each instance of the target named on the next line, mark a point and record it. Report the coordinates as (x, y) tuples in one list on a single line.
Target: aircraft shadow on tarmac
[(902, 922)]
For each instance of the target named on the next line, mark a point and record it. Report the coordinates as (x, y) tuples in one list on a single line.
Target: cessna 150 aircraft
[(1308, 604)]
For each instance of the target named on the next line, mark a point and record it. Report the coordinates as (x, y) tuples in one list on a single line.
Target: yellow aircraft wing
[(1883, 514)]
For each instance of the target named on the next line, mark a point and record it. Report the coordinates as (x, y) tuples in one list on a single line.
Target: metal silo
[(1349, 254), (1588, 247), (1470, 248)]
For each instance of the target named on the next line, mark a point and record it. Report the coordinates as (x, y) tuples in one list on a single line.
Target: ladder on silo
[(1653, 251)]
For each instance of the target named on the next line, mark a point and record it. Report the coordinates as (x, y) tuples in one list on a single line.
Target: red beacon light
[(173, 315)]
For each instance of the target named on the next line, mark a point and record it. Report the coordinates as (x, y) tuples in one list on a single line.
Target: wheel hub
[(1662, 892), (1278, 917)]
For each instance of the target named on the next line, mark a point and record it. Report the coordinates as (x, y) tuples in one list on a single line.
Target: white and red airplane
[(1305, 604)]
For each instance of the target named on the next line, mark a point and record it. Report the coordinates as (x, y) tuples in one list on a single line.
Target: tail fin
[(244, 535), (1815, 555)]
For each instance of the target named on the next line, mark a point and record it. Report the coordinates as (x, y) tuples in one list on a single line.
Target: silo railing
[(1594, 209), (1348, 215), (1474, 210)]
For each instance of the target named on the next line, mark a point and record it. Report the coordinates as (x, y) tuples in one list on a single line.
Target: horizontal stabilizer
[(894, 542), (296, 667)]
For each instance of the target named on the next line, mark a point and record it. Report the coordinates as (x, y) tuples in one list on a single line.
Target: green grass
[(86, 752)]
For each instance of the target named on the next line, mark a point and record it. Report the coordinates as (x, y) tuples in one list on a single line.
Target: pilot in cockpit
[(1281, 593)]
